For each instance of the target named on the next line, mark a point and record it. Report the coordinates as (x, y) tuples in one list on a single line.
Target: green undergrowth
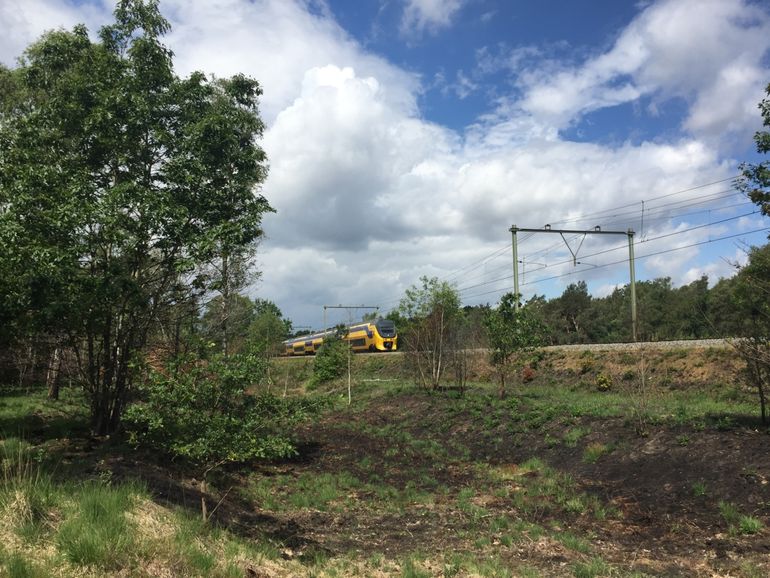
[(95, 528)]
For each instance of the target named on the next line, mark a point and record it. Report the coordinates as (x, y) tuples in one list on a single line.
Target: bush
[(527, 374), (603, 382), (203, 411), (330, 361)]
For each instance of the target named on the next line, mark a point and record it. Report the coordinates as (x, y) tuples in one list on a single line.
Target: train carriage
[(373, 336)]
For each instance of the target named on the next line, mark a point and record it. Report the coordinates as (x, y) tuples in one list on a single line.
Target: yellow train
[(377, 335)]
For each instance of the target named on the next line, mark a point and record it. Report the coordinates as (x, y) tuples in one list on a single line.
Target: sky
[(406, 137)]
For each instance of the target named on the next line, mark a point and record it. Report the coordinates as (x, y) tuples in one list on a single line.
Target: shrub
[(330, 361), (527, 374), (603, 382), (203, 411)]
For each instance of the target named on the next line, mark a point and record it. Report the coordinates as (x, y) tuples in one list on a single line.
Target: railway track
[(674, 344)]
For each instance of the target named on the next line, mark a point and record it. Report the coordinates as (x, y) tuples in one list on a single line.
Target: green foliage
[(97, 532), (511, 331), (755, 178), (227, 319), (603, 382), (140, 179), (432, 317), (268, 328), (752, 296), (330, 361), (203, 411)]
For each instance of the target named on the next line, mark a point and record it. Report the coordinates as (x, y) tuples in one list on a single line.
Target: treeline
[(664, 312)]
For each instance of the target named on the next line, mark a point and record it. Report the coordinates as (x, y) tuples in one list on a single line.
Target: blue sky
[(406, 136)]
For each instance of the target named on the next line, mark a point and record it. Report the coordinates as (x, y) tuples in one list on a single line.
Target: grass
[(737, 522), (456, 460), (95, 531), (593, 568), (699, 489), (594, 451)]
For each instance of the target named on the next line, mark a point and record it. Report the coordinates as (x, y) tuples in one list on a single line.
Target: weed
[(591, 569), (749, 525), (594, 451), (683, 440), (551, 441), (574, 434), (97, 533), (573, 542), (603, 382), (699, 489)]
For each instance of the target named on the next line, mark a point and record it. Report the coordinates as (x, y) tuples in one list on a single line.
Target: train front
[(387, 340)]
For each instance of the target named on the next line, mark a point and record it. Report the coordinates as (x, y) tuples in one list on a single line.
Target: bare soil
[(663, 489)]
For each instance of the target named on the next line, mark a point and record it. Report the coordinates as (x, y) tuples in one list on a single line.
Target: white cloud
[(370, 195), (428, 15), (708, 52), (22, 21), (277, 42)]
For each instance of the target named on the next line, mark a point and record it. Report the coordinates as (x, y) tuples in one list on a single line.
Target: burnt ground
[(657, 499), (449, 480)]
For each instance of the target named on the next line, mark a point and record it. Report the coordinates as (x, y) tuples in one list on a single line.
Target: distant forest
[(664, 312)]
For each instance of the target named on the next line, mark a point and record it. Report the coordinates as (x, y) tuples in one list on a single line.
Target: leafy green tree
[(268, 328), (755, 178), (119, 182), (433, 311), (511, 333), (574, 304), (752, 298), (204, 412), (753, 283), (227, 326), (331, 360)]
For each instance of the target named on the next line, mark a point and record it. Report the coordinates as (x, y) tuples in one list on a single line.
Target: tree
[(268, 329), (574, 304), (755, 178), (511, 332), (753, 287), (119, 182), (227, 326), (752, 294), (204, 412), (432, 310)]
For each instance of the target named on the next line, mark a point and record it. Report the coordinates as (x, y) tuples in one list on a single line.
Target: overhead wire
[(619, 247), (638, 257), (647, 212)]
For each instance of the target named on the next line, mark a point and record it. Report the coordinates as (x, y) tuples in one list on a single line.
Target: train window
[(386, 327), (358, 343)]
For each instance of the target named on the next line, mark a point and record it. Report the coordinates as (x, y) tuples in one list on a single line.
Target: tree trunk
[(53, 375), (204, 507)]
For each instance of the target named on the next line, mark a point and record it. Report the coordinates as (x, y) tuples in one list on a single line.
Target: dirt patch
[(664, 491)]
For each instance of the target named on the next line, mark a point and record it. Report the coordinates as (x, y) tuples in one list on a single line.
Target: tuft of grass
[(410, 569), (749, 525), (573, 542), (737, 522), (594, 451), (96, 532), (574, 435), (699, 489), (594, 568), (17, 566), (27, 493)]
